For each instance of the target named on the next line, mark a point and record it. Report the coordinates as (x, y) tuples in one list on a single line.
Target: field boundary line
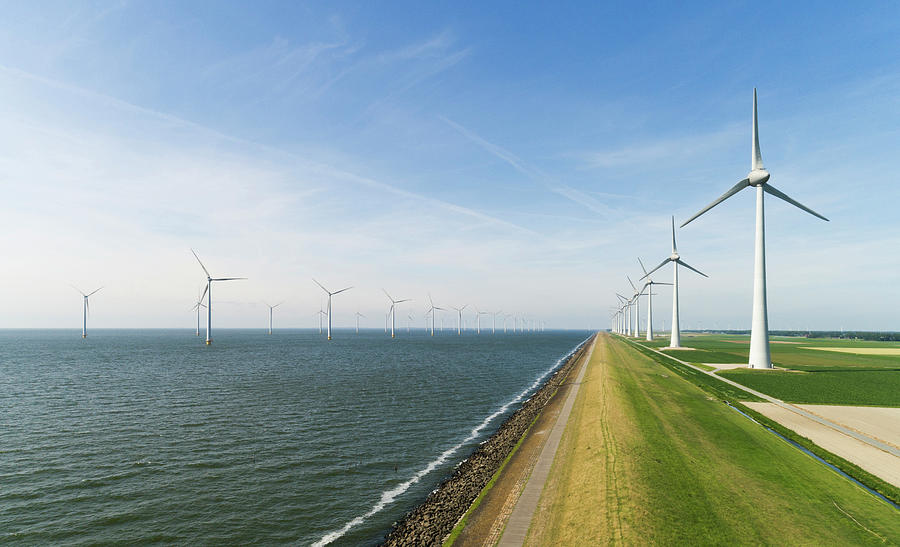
[(875, 443)]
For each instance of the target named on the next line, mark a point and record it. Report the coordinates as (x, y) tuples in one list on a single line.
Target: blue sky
[(503, 155)]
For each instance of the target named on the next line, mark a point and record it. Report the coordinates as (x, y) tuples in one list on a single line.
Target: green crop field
[(649, 458), (824, 377), (840, 387)]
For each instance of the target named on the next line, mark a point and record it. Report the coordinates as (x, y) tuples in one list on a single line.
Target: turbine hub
[(674, 256), (758, 177)]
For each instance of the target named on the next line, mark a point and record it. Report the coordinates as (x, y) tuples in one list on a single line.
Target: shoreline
[(430, 522)]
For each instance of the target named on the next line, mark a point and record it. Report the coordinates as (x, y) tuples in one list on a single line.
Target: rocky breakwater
[(430, 522)]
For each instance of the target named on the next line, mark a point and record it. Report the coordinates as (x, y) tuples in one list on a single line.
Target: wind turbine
[(675, 259), (358, 315), (459, 318), (320, 314), (330, 294), (208, 293), (637, 308), (270, 313), (431, 310), (86, 308), (494, 322), (760, 356), (197, 307), (478, 315), (409, 321), (626, 307), (649, 286), (393, 311)]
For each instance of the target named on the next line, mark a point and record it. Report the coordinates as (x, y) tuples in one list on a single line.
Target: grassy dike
[(650, 457)]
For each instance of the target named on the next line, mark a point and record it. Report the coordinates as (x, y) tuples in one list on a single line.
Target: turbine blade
[(756, 158), (93, 292), (206, 288), (389, 296), (201, 263), (661, 264), (674, 248), (227, 278), (319, 284), (683, 263), (734, 190), (630, 283), (340, 291), (642, 266), (404, 300), (79, 290), (779, 194)]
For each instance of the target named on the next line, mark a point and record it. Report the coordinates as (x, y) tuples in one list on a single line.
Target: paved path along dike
[(520, 519)]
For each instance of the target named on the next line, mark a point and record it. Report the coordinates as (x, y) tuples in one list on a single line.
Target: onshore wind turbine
[(393, 311), (675, 259), (760, 356), (270, 313), (637, 308), (330, 294), (459, 318), (208, 293), (86, 308), (649, 286)]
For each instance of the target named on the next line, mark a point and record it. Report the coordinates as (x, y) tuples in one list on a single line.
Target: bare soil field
[(859, 351), (873, 460)]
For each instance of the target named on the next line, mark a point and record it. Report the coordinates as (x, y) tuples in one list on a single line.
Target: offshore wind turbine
[(649, 286), (199, 304), (270, 313), (393, 311), (358, 315), (494, 322), (85, 309), (330, 294), (320, 314), (675, 259), (760, 356), (478, 315), (208, 292), (431, 310), (459, 318)]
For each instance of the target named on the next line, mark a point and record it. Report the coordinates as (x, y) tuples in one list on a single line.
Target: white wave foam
[(388, 496)]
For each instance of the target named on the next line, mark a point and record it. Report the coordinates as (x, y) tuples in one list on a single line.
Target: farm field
[(820, 371), (648, 457)]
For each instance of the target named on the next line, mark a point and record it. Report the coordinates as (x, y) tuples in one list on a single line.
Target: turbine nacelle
[(758, 177)]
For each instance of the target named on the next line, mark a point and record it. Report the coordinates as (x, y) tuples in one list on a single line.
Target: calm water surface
[(150, 436)]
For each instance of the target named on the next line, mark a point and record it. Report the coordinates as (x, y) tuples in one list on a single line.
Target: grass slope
[(648, 457)]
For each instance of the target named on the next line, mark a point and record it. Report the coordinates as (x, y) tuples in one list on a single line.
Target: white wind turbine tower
[(626, 307), (478, 315), (649, 286), (208, 293), (358, 315), (409, 320), (85, 309), (494, 322), (760, 356), (459, 318), (393, 311), (197, 307), (330, 294), (270, 313), (432, 310), (320, 314), (637, 308), (675, 259)]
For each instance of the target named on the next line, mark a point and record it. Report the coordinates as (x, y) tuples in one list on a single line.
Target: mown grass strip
[(734, 396)]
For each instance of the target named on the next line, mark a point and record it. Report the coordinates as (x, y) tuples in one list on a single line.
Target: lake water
[(150, 436)]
